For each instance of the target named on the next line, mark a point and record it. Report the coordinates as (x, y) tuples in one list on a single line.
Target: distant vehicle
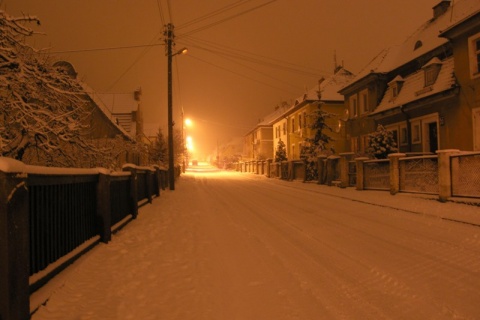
[(194, 162)]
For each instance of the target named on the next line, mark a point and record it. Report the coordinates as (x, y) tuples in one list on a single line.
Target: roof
[(101, 106), (423, 40), (414, 87), (328, 88)]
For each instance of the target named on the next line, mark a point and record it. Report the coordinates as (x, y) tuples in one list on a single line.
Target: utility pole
[(171, 169)]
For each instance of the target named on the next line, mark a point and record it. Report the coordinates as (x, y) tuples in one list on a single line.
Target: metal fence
[(465, 173), (52, 215), (419, 174), (377, 174), (62, 216)]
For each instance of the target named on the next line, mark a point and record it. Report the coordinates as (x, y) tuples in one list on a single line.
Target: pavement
[(461, 210)]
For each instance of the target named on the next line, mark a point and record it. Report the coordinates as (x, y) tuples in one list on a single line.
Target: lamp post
[(171, 163)]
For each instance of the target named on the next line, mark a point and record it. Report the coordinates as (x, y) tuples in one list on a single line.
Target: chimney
[(441, 8)]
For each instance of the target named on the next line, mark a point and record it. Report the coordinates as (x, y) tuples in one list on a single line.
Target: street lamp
[(170, 54)]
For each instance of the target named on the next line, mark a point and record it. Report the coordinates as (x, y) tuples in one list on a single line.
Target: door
[(433, 136), (476, 129)]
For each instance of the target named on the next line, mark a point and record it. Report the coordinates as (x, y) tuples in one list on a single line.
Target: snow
[(414, 87), (241, 246), (428, 34)]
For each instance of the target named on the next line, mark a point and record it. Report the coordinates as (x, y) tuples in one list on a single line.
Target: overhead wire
[(225, 19), (141, 55), (212, 14), (237, 73), (252, 57)]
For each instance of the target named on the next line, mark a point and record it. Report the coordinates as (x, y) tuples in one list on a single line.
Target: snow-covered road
[(240, 246)]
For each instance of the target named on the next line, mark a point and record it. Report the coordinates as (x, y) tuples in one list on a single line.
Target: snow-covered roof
[(424, 39), (413, 87), (270, 118), (329, 87), (101, 106)]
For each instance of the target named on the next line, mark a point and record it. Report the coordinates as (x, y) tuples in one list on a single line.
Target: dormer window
[(432, 69), (418, 44), (396, 85)]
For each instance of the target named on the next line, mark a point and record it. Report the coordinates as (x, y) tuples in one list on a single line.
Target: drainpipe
[(409, 129)]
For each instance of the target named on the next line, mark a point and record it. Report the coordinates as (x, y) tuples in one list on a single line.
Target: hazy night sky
[(217, 83)]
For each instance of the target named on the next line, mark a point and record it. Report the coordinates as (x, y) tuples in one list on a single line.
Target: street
[(241, 246)]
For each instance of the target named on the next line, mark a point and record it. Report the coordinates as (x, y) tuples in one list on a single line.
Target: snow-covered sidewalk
[(241, 246)]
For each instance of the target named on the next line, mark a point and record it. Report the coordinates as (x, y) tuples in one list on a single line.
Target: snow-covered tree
[(45, 113), (381, 143), (318, 143), (159, 149), (280, 151)]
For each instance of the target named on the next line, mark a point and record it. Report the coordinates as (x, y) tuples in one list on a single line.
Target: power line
[(257, 59), (238, 74), (145, 50), (109, 48), (211, 14), (226, 19), (160, 11)]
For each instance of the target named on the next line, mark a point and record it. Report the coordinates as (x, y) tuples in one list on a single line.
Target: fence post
[(395, 171), (344, 168), (158, 181), (149, 184), (321, 168), (104, 211), (269, 164), (133, 190), (360, 172), (444, 173), (14, 243)]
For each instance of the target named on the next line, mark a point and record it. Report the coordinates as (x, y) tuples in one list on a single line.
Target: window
[(304, 120), (364, 101), (432, 69), (284, 128), (430, 76), (474, 55), (418, 44), (416, 133), (293, 124), (403, 136), (300, 121), (396, 85), (353, 106)]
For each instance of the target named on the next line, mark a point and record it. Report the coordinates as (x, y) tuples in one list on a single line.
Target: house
[(412, 89), (465, 39), (112, 115), (124, 109), (258, 142), (293, 125)]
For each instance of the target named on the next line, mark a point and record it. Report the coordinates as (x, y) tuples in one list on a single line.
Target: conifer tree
[(159, 150), (318, 143), (381, 143), (280, 152)]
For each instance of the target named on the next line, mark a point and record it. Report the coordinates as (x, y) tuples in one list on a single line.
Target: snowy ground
[(241, 246)]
